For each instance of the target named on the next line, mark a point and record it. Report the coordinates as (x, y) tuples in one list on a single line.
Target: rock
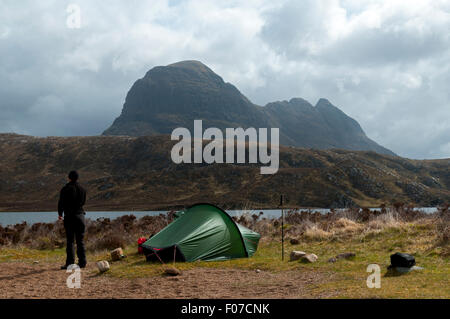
[(258, 271), (172, 271), (35, 262), (116, 254), (294, 241), (332, 260), (309, 258), (346, 256), (404, 270), (103, 266), (296, 255), (416, 268)]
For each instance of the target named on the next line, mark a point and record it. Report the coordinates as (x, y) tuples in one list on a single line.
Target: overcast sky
[(384, 63)]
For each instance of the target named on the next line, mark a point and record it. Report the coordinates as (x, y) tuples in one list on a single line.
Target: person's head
[(73, 176)]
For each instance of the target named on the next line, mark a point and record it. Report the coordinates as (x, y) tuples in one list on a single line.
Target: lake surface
[(12, 218)]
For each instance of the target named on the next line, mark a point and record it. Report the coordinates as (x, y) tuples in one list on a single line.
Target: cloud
[(385, 63)]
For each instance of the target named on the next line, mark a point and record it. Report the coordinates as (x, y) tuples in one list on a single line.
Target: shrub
[(315, 233), (105, 233), (108, 241)]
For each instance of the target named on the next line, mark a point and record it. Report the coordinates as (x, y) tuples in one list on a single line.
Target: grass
[(371, 245), (24, 254), (373, 237)]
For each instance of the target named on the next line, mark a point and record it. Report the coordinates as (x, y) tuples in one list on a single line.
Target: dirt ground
[(45, 280)]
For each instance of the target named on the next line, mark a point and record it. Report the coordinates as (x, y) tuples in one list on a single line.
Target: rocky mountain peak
[(175, 95)]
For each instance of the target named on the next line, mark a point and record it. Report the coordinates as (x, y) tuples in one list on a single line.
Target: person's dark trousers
[(75, 227)]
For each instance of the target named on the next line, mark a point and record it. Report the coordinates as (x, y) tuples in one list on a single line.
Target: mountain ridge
[(137, 173), (175, 95)]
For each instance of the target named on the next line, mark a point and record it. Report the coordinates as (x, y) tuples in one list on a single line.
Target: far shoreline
[(118, 208), (176, 208)]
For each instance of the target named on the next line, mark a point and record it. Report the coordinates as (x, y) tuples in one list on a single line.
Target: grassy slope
[(123, 173), (349, 278)]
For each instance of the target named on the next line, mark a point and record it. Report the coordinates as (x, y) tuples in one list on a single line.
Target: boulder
[(116, 254), (408, 269), (402, 270), (296, 255), (309, 258), (172, 271), (103, 266)]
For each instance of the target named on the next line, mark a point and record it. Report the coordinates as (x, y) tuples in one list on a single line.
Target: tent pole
[(282, 228)]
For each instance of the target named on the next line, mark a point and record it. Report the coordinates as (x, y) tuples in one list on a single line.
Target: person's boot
[(81, 265), (67, 266)]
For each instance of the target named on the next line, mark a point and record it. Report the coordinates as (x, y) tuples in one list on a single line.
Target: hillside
[(174, 96), (124, 173)]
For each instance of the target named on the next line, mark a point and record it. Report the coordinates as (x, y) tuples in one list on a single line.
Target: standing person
[(71, 201)]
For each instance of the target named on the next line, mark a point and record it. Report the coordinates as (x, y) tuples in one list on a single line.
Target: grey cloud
[(391, 75), (378, 47)]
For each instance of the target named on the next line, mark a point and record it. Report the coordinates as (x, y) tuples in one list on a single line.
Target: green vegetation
[(372, 242)]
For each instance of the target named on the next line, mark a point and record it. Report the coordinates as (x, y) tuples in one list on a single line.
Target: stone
[(346, 256), (332, 260), (258, 271), (404, 270), (296, 255), (116, 254), (294, 241), (172, 271), (103, 266), (309, 258)]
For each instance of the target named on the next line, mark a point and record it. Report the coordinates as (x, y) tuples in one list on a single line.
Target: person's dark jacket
[(71, 199)]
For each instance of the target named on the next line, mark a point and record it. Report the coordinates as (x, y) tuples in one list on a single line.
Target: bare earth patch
[(45, 280)]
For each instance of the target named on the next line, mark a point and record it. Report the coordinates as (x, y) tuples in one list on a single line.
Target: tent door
[(166, 254)]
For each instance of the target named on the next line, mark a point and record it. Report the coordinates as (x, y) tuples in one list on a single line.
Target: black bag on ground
[(402, 260)]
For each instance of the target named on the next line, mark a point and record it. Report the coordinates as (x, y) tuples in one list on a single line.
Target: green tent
[(201, 232)]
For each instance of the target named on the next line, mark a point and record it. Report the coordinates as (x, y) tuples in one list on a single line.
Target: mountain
[(175, 95), (126, 173)]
